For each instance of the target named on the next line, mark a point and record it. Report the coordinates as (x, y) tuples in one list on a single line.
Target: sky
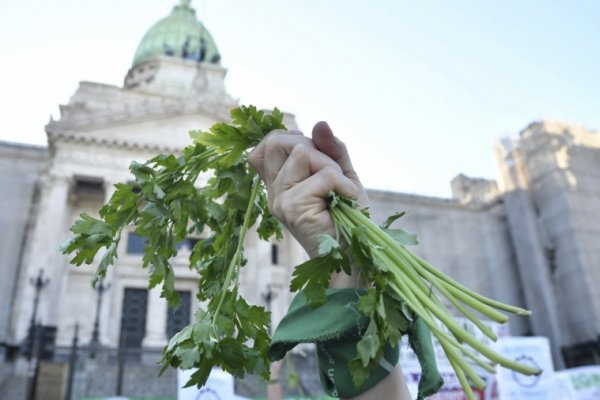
[(418, 91)]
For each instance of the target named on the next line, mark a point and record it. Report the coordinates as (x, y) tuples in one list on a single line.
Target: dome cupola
[(179, 35)]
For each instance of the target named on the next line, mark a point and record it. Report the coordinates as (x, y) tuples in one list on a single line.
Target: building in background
[(531, 238)]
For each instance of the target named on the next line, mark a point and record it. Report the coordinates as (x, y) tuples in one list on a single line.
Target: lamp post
[(268, 297), (38, 283), (34, 337), (95, 342)]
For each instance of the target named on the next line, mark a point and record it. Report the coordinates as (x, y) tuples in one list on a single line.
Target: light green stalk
[(235, 260)]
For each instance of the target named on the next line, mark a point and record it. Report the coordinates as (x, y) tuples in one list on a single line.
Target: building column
[(156, 320), (533, 268), (107, 321), (49, 231)]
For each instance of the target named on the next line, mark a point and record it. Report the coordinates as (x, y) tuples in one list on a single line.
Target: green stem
[(445, 340), (462, 379), (459, 363), (462, 364), (486, 366), (240, 245), (481, 307), (483, 304), (393, 259), (460, 333), (439, 286), (481, 298)]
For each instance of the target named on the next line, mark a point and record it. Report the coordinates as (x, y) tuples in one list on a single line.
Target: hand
[(299, 172)]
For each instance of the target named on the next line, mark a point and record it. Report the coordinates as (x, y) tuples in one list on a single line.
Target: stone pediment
[(163, 127)]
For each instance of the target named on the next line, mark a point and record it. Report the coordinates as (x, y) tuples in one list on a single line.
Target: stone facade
[(551, 184), (21, 167)]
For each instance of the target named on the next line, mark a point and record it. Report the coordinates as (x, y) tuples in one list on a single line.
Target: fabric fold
[(335, 328)]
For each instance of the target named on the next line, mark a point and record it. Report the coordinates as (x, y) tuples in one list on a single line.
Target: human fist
[(299, 172)]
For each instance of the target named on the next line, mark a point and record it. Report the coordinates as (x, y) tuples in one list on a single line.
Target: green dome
[(178, 35)]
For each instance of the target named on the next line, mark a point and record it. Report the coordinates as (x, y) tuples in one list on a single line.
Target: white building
[(531, 238)]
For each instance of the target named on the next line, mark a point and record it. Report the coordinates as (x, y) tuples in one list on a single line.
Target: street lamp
[(95, 342), (38, 283), (268, 297)]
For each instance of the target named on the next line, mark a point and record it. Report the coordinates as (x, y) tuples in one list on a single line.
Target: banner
[(219, 386), (534, 351), (451, 390), (582, 383)]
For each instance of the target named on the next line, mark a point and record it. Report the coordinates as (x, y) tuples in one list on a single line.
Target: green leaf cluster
[(313, 275), (165, 203), (236, 341)]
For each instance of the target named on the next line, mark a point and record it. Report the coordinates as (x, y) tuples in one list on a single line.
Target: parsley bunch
[(403, 287), (165, 204)]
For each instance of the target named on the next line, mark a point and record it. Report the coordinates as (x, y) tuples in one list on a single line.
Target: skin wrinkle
[(294, 168)]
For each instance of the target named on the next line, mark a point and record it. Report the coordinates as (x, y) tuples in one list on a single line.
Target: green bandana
[(335, 328)]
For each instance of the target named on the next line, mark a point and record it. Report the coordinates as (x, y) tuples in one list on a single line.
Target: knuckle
[(276, 206), (284, 209), (329, 172), (300, 151), (272, 140)]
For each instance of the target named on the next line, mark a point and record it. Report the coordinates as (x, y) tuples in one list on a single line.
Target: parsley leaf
[(313, 275)]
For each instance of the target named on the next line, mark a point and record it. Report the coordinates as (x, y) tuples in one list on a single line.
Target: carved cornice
[(429, 201), (78, 130)]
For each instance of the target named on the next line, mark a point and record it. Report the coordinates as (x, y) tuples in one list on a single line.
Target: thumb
[(327, 143)]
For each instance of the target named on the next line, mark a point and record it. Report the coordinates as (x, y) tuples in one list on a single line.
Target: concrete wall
[(469, 243), (585, 203), (20, 165), (563, 171)]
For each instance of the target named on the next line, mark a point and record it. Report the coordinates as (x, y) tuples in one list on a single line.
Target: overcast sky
[(419, 91)]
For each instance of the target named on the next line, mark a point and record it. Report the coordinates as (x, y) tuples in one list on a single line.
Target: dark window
[(84, 187), (274, 254), (586, 353), (133, 317), (135, 244), (188, 243), (178, 318), (551, 257)]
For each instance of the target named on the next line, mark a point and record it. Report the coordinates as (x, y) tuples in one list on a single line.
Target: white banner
[(582, 383), (451, 389), (219, 386), (534, 351)]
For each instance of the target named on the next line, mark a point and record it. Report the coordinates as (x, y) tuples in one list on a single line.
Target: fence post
[(72, 362), (32, 372), (121, 363)]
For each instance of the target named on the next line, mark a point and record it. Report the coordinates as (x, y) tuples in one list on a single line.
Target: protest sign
[(582, 383), (219, 386), (534, 351)]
